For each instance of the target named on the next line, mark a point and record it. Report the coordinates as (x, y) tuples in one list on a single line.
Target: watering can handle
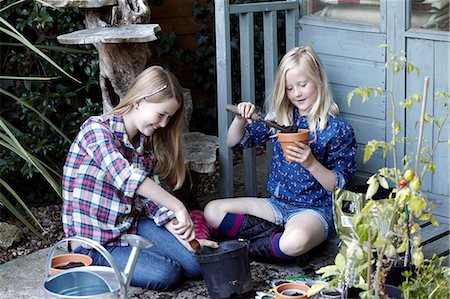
[(136, 241)]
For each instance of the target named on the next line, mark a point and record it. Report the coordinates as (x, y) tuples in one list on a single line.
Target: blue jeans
[(159, 267)]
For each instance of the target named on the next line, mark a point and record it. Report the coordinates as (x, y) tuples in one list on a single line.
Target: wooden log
[(80, 3), (200, 151), (123, 55), (126, 34)]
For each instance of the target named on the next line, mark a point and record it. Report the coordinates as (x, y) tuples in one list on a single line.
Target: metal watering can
[(93, 281)]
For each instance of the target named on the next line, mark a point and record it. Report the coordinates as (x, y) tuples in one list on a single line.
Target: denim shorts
[(284, 211)]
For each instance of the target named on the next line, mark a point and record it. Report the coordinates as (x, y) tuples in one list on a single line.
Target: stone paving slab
[(24, 277)]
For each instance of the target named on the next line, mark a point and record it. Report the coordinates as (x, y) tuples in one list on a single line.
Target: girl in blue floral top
[(110, 187), (301, 189)]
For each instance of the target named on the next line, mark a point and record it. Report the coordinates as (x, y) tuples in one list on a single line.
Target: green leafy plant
[(35, 97), (385, 232), (431, 279)]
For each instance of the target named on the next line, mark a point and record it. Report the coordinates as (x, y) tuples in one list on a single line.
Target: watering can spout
[(137, 243)]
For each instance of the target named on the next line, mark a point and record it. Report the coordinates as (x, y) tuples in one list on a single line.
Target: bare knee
[(214, 213), (297, 242)]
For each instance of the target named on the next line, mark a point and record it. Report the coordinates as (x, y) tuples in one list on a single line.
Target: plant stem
[(369, 258), (422, 116), (394, 134), (436, 143)]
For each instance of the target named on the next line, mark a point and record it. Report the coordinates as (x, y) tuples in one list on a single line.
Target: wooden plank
[(292, 26), (439, 247), (261, 7), (339, 24), (441, 178), (365, 128), (247, 65), (428, 34), (224, 94), (182, 25), (421, 54), (133, 33), (441, 82), (270, 66), (360, 178), (376, 161), (435, 239), (345, 43), (353, 72), (79, 3), (374, 107), (174, 8)]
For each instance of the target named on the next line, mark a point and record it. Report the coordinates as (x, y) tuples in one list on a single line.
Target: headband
[(316, 65), (156, 91)]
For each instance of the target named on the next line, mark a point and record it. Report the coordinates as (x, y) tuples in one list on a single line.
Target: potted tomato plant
[(385, 233)]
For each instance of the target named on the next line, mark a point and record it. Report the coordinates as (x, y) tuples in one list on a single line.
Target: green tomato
[(408, 174), (415, 184)]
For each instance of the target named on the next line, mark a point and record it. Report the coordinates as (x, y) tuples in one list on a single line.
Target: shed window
[(430, 14), (359, 11)]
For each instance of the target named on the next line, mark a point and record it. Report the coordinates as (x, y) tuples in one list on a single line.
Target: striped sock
[(276, 249), (231, 225)]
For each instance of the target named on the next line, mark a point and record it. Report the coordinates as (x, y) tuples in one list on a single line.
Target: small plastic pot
[(65, 259), (287, 139), (291, 290), (330, 294)]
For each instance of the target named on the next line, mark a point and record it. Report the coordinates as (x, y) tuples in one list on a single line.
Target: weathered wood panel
[(374, 107), (442, 82), (173, 9), (424, 54), (436, 239), (441, 179), (376, 161), (366, 129), (353, 72), (345, 43)]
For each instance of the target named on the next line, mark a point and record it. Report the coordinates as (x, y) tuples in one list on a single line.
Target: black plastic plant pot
[(226, 270), (395, 277), (393, 291), (353, 293)]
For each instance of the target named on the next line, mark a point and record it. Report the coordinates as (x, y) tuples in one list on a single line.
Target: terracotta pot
[(291, 290), (64, 259), (286, 139)]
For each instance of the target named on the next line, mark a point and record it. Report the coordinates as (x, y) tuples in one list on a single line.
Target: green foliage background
[(65, 102)]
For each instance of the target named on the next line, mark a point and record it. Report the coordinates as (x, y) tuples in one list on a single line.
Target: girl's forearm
[(323, 175), (235, 131), (150, 189)]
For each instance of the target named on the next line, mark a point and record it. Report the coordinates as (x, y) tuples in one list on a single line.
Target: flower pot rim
[(291, 285), (62, 259)]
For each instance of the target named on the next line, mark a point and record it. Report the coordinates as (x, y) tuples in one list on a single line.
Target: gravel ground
[(50, 218)]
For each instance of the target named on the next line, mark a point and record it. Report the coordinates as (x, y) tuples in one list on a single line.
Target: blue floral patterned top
[(334, 147)]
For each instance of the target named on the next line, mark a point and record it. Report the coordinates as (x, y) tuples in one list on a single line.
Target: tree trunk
[(119, 64)]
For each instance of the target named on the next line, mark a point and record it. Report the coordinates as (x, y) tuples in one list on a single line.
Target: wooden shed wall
[(177, 16)]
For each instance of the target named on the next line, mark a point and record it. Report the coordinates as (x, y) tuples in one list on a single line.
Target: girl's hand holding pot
[(302, 154)]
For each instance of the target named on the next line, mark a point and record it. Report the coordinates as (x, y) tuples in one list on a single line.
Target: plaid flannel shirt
[(100, 177)]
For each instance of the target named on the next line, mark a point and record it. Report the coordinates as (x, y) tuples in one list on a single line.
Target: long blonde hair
[(278, 106), (157, 85)]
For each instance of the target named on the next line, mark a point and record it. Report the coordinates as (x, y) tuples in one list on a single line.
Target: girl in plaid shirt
[(300, 190), (110, 188)]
